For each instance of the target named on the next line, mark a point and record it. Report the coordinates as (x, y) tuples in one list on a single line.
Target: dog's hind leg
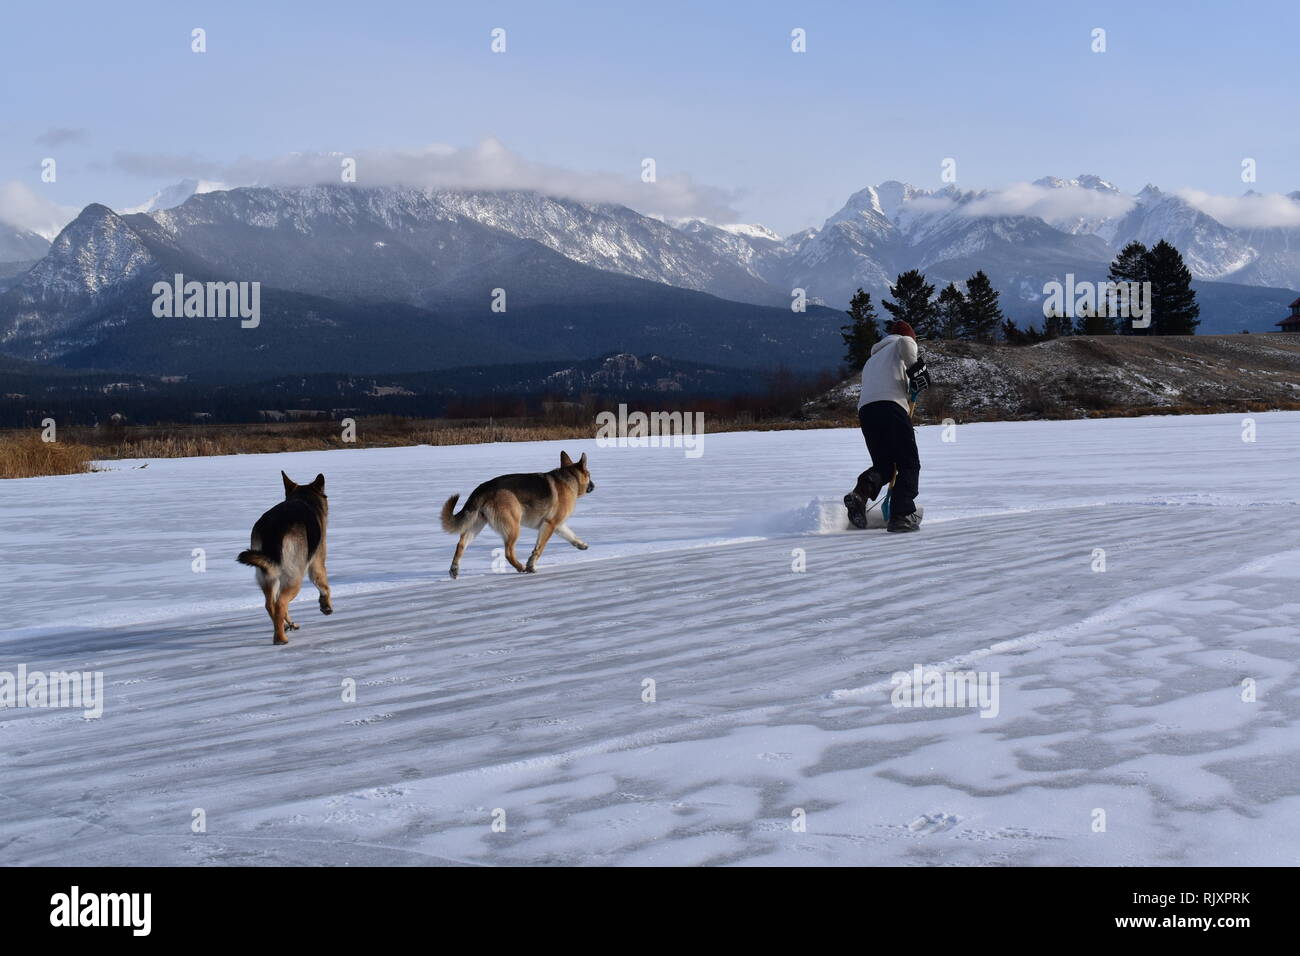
[(282, 619), (271, 604), (282, 613), (465, 538), (468, 535), (505, 514), (511, 537), (543, 535), (567, 534), (279, 614), (271, 591), (316, 571)]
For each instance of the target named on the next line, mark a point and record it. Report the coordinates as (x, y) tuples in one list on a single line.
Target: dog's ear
[(582, 462), (289, 484), (319, 484), (565, 460)]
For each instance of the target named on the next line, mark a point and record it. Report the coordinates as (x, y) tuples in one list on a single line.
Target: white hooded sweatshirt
[(884, 377)]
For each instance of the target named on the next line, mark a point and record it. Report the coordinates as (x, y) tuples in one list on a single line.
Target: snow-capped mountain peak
[(175, 194), (752, 230), (1082, 181)]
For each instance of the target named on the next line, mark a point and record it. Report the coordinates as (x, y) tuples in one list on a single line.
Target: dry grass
[(25, 455), (187, 441), (196, 441)]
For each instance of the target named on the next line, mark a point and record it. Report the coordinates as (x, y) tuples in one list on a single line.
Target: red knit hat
[(899, 327)]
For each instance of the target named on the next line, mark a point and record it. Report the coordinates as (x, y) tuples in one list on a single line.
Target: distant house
[(1292, 322)]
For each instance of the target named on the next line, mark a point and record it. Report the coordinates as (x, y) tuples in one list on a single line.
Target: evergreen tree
[(1055, 326), (862, 332), (1174, 310), (983, 314), (1013, 334), (1097, 323), (913, 303), (1130, 266), (952, 312)]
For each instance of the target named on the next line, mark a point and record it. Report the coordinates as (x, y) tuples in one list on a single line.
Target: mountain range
[(390, 279)]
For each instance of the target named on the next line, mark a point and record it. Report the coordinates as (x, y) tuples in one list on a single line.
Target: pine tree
[(983, 314), (1054, 326), (1010, 333), (913, 303), (1130, 266), (1173, 301), (1096, 323), (952, 311), (862, 332)]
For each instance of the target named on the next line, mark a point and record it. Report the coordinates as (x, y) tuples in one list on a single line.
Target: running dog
[(543, 500), (288, 542)]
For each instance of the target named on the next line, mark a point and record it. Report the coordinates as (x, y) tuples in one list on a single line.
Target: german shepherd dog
[(543, 500), (287, 542)]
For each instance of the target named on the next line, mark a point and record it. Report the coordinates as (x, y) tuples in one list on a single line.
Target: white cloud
[(1053, 204), (24, 208), (489, 165), (1253, 211)]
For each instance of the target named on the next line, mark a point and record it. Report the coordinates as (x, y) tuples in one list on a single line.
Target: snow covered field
[(1120, 693)]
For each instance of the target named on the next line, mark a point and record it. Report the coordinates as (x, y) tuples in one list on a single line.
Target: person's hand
[(918, 376)]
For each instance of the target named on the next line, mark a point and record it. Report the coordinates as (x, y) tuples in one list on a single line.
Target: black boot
[(855, 502), (857, 509), (910, 522)]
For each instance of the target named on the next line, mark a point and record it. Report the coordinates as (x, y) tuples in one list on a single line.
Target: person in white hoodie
[(891, 379)]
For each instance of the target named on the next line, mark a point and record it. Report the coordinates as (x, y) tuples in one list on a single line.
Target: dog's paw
[(277, 641), (454, 572), (291, 625), (530, 569), (581, 545), (327, 609)]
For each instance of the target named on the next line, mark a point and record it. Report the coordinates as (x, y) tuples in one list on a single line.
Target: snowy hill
[(1120, 690), (1079, 376)]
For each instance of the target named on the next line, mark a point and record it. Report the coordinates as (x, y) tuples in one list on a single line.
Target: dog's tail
[(256, 559), (456, 523)]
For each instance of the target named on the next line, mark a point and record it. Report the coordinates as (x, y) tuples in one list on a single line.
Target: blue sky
[(712, 92)]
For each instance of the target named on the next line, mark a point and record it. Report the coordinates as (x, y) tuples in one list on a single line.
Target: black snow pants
[(892, 444)]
